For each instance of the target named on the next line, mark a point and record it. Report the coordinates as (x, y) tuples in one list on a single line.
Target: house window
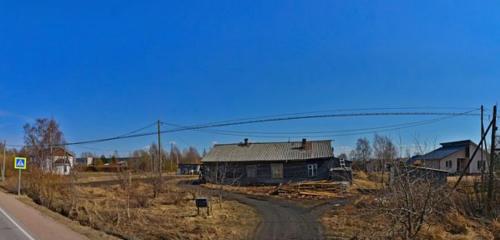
[(480, 165), (277, 170), (448, 164), (252, 171), (312, 170)]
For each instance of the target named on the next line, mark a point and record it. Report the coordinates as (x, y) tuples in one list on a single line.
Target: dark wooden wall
[(235, 173)]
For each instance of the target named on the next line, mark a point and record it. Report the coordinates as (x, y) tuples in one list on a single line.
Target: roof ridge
[(238, 143)]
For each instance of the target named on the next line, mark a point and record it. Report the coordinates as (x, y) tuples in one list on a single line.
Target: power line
[(138, 130), (276, 119), (337, 111), (349, 132)]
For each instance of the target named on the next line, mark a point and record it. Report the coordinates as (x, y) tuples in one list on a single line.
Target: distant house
[(85, 161), (61, 161), (268, 162), (453, 157), (188, 168)]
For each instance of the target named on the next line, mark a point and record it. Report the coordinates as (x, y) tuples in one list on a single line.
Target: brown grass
[(172, 215), (132, 213)]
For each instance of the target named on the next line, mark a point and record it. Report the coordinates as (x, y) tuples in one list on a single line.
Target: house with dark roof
[(453, 157), (268, 162)]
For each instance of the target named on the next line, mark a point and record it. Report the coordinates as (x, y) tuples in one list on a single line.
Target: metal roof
[(441, 153), (271, 151)]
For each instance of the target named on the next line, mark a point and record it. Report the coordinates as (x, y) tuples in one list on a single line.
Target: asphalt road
[(20, 221), (281, 219), (10, 229)]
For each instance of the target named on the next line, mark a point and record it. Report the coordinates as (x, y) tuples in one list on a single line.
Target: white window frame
[(312, 170)]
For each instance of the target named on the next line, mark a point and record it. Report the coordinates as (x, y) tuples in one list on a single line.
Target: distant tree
[(39, 137), (97, 162), (175, 154), (362, 152), (204, 153), (141, 161), (343, 156), (158, 162), (103, 160), (191, 155), (384, 150)]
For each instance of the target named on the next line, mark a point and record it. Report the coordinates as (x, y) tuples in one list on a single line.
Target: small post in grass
[(202, 202)]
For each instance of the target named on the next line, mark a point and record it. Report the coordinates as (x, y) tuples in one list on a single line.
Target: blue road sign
[(20, 163)]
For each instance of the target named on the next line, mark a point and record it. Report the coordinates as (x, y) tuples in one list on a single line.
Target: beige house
[(453, 157)]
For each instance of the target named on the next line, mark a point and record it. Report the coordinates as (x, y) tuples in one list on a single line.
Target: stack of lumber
[(321, 189)]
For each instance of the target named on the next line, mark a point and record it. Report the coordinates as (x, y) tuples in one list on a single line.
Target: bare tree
[(39, 138), (385, 152), (363, 151), (411, 201)]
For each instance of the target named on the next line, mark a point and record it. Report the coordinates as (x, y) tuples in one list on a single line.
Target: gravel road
[(281, 219)]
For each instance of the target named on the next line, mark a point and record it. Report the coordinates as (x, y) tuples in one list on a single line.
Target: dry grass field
[(129, 211), (361, 220)]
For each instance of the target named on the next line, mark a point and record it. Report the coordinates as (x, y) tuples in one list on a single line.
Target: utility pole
[(491, 171), (171, 154), (159, 152), (483, 163), (3, 163)]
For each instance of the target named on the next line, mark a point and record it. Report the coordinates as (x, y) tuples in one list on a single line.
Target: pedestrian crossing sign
[(20, 163)]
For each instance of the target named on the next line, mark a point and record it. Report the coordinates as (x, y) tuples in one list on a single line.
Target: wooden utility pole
[(491, 170), (483, 162), (159, 152), (3, 163)]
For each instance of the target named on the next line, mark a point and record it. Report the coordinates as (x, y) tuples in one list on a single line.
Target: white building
[(453, 157), (60, 161)]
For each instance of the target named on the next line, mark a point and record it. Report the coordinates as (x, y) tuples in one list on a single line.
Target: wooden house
[(249, 163)]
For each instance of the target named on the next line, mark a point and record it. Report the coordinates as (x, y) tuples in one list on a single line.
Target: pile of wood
[(319, 189)]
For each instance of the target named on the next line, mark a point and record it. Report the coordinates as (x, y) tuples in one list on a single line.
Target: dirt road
[(19, 221), (281, 219)]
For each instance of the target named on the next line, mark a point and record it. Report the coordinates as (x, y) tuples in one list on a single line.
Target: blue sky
[(103, 68)]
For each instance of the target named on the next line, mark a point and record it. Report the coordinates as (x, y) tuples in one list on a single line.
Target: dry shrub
[(43, 187), (360, 175), (140, 200), (455, 223), (495, 229), (11, 184)]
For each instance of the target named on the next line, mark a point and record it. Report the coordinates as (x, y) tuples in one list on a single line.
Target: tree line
[(43, 135)]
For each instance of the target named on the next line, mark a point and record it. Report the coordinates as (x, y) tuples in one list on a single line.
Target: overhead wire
[(276, 119), (346, 132)]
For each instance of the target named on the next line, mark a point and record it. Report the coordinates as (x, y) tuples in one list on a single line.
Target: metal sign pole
[(19, 184)]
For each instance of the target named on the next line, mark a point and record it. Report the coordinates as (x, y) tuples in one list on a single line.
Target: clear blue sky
[(103, 68)]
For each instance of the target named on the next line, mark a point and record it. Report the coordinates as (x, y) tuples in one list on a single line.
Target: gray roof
[(446, 149), (440, 153), (272, 151)]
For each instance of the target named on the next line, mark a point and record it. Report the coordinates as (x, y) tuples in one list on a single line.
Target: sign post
[(20, 164), (202, 202)]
